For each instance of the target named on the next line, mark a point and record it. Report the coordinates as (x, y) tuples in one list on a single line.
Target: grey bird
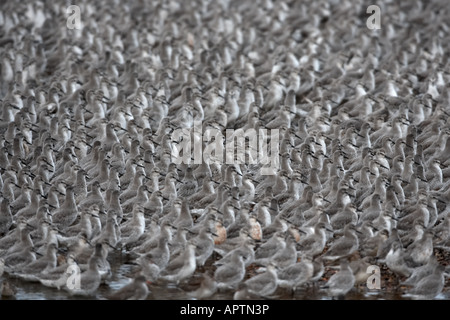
[(244, 245), (204, 243), (421, 272), (137, 289), (58, 276), (429, 286), (313, 244), (2, 266), (420, 251), (340, 283), (6, 218), (160, 255), (396, 261), (297, 274), (67, 213), (147, 268), (188, 185), (182, 267), (206, 289), (266, 250), (230, 274), (344, 217), (42, 264), (287, 256), (85, 283), (133, 229), (265, 283), (99, 105), (343, 246), (184, 218), (154, 204)]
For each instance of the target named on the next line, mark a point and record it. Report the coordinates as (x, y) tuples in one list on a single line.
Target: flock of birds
[(87, 168)]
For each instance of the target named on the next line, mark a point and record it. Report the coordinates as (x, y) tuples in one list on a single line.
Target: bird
[(206, 190), (296, 274), (42, 264), (137, 289), (98, 123), (154, 205), (420, 272), (421, 250), (109, 232), (100, 254), (159, 255), (344, 217), (429, 287), (67, 213), (243, 245), (396, 261), (140, 198), (314, 243), (58, 276), (132, 229), (181, 267), (84, 283), (189, 184), (230, 274), (287, 256), (84, 224), (344, 246), (265, 283), (21, 253), (206, 289), (267, 249), (204, 245), (184, 218), (148, 268), (6, 218), (340, 283)]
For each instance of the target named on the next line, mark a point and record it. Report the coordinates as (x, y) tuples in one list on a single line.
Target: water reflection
[(121, 276)]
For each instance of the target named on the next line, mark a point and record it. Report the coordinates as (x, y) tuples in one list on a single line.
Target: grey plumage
[(111, 133)]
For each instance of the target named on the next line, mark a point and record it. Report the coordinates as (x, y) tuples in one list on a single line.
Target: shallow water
[(34, 291), (122, 272)]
